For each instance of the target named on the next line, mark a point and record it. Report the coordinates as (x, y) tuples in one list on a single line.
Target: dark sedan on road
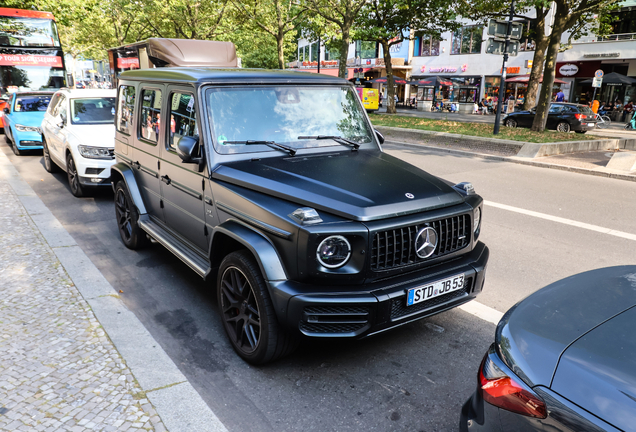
[(564, 359), (562, 117)]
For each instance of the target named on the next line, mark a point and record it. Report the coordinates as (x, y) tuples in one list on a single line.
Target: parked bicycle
[(602, 121)]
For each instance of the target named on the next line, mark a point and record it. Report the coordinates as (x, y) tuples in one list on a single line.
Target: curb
[(176, 402), (520, 161)]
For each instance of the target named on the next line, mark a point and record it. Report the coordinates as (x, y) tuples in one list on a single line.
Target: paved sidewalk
[(58, 369)]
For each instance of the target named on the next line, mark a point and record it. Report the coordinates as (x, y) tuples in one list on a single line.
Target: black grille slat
[(330, 328), (394, 248)]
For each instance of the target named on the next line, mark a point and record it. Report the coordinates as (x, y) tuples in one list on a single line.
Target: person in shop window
[(628, 109)]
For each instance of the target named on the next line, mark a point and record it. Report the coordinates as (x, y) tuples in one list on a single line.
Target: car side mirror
[(5, 110), (187, 148), (379, 136)]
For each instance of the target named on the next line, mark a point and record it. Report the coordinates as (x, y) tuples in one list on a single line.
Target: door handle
[(136, 165), (165, 179)]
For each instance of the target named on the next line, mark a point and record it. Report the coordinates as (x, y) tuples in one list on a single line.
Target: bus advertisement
[(31, 57)]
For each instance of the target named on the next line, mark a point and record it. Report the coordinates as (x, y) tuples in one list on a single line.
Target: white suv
[(78, 135)]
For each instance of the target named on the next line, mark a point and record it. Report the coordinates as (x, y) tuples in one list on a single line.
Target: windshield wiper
[(292, 151), (336, 138)]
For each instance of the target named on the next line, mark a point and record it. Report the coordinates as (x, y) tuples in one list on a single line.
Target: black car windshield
[(32, 103), (283, 114), (93, 110)]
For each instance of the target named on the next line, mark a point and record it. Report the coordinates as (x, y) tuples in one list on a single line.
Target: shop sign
[(128, 63), (30, 60), (528, 64), (443, 70), (568, 69), (512, 70), (323, 63), (596, 55)]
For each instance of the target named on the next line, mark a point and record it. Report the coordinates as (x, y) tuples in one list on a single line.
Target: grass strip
[(475, 129)]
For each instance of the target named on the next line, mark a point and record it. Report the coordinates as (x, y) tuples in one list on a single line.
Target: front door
[(183, 185)]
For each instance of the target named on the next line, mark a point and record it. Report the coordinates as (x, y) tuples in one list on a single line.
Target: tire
[(6, 136), (563, 127), (511, 123), (580, 132), (247, 312), (605, 123), (49, 165), (16, 150), (127, 218), (73, 177)]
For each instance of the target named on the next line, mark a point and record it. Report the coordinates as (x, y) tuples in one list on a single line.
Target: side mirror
[(187, 148), (379, 136), (6, 110)]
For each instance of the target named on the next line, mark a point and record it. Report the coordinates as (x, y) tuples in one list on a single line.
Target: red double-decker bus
[(31, 57)]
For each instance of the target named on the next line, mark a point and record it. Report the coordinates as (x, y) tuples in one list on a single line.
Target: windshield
[(28, 32), (31, 78), (283, 114), (31, 103), (93, 110)]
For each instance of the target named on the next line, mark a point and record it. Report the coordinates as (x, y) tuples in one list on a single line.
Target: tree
[(274, 17), (568, 15), (344, 14), (388, 22)]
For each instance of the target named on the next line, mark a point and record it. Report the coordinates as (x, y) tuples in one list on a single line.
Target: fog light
[(96, 180)]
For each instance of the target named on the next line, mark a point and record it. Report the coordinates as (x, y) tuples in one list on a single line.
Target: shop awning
[(433, 81), (383, 80), (614, 78), (526, 78)]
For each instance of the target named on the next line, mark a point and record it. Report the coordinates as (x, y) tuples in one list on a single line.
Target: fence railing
[(618, 37)]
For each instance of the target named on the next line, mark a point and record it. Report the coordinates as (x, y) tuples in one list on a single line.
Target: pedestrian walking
[(560, 96)]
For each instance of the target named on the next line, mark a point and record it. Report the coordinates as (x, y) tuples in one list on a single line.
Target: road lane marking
[(564, 221), (482, 311)]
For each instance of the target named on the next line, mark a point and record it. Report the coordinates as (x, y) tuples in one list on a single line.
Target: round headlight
[(333, 252), (477, 219)]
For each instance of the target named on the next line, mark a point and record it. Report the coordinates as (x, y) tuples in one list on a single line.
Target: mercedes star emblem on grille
[(425, 242)]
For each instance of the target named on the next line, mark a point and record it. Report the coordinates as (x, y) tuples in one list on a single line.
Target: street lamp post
[(502, 85)]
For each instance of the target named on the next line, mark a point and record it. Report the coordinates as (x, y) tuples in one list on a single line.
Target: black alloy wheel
[(248, 315), (49, 165), (563, 127), (73, 177), (511, 123), (127, 217)]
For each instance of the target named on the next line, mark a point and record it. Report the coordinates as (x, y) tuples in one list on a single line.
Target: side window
[(150, 119), (60, 109), (555, 109), (183, 118), (126, 109), (53, 104)]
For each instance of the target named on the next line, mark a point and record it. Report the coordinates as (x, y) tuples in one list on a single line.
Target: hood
[(533, 334), (598, 371), (27, 118), (94, 135), (362, 185)]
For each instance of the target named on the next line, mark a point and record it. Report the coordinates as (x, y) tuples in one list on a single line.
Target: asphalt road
[(412, 379)]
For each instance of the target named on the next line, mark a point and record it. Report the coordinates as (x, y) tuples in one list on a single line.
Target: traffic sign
[(496, 46), (499, 29), (596, 82), (599, 74)]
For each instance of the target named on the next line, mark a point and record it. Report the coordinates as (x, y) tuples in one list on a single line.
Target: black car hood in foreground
[(359, 185), (585, 324)]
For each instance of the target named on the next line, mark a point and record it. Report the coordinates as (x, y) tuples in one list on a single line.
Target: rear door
[(135, 106), (183, 185), (555, 116), (524, 118)]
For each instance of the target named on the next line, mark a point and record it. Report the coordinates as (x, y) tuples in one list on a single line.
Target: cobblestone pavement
[(59, 371)]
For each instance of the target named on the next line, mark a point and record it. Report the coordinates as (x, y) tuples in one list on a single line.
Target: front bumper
[(93, 172), (27, 140), (364, 310)]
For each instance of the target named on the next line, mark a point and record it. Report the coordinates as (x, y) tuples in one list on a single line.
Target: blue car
[(22, 119)]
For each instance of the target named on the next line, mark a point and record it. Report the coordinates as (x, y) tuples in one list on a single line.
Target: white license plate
[(590, 124), (434, 289)]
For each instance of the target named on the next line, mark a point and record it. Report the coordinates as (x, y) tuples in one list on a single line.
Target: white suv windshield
[(240, 116), (93, 110)]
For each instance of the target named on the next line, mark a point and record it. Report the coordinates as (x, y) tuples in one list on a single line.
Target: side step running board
[(195, 261)]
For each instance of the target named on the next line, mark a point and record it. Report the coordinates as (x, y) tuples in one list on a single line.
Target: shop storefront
[(460, 90)]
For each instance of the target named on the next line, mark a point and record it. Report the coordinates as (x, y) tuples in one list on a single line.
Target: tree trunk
[(390, 81), (549, 73), (541, 42), (280, 44), (344, 52)]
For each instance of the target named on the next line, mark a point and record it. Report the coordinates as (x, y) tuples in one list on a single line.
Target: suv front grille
[(335, 319), (400, 309), (396, 247)]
